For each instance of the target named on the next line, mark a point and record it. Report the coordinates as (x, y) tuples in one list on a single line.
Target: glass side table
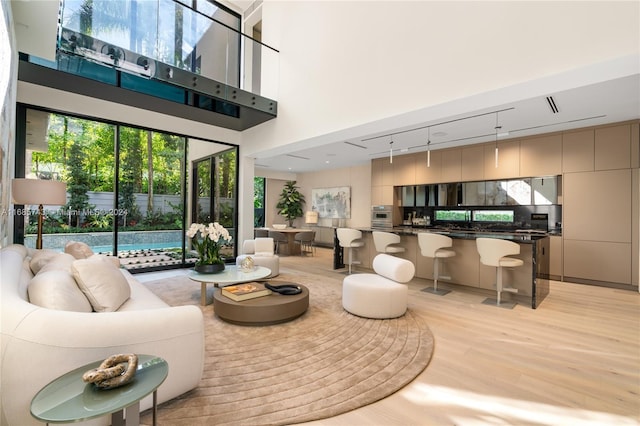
[(69, 399)]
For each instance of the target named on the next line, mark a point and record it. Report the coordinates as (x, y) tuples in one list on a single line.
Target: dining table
[(292, 248)]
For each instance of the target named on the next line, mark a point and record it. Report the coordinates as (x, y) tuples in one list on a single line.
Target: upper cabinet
[(451, 165), (541, 156), (578, 151), (428, 171), (472, 163), (508, 164), (404, 170), (613, 147)]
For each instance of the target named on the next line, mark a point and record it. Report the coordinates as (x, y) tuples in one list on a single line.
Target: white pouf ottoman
[(380, 295)]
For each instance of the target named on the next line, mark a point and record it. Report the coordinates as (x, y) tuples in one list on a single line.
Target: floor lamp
[(39, 192)]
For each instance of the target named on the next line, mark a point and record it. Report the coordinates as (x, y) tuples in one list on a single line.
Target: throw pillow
[(59, 262), (78, 249), (103, 284), (112, 259), (57, 290), (41, 258)]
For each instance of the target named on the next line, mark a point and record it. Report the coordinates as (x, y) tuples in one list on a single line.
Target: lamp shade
[(38, 191), (311, 217)]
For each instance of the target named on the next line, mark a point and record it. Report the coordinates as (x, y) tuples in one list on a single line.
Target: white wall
[(346, 63)]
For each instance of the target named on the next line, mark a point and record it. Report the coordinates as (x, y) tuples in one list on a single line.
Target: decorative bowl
[(279, 226)]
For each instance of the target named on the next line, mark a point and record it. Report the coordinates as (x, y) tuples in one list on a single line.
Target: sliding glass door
[(126, 188), (214, 193)]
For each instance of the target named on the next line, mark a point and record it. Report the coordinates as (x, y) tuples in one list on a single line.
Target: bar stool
[(495, 252), (387, 242), (350, 238), (434, 246)]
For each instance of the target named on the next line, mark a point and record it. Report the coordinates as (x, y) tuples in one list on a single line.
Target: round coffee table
[(232, 274), (266, 310)]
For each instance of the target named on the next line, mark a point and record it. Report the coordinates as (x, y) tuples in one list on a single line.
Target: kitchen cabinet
[(597, 206), (541, 156), (451, 165), (578, 151), (597, 226), (508, 160), (472, 163), (613, 147), (597, 261), (408, 196), (404, 170), (431, 174)]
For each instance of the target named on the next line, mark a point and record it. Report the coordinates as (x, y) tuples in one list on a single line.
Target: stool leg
[(499, 283), (436, 263), (350, 259), (436, 275)]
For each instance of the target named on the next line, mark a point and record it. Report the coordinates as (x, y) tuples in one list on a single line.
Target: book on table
[(246, 291)]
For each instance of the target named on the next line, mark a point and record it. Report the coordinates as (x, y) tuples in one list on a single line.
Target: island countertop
[(531, 279)]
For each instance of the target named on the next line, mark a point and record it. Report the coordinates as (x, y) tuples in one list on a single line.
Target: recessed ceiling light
[(439, 134)]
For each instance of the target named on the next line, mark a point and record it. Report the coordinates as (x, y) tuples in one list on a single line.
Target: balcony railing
[(166, 41)]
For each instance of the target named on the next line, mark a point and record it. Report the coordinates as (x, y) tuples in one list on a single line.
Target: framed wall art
[(332, 203)]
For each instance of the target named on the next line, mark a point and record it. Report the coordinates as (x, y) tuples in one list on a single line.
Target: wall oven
[(381, 217)]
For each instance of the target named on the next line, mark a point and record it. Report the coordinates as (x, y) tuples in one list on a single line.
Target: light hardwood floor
[(573, 361)]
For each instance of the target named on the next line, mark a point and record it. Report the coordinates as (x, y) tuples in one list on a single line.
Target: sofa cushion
[(41, 258), (59, 262), (57, 289), (78, 249), (103, 283)]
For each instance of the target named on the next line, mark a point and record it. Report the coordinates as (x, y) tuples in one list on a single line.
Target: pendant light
[(497, 128), (391, 151), (428, 146)]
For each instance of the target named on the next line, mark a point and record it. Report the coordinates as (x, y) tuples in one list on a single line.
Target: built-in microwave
[(381, 217)]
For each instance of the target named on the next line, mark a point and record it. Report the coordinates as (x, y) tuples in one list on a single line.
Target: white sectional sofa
[(41, 343)]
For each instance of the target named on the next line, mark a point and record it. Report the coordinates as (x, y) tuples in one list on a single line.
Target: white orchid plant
[(207, 240)]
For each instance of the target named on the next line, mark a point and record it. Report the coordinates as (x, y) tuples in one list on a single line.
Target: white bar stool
[(495, 252), (350, 238), (387, 242), (434, 246)]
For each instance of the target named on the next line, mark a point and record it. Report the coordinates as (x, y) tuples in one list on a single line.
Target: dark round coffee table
[(266, 310)]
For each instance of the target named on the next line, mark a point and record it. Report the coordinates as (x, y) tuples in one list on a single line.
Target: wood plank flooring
[(573, 361)]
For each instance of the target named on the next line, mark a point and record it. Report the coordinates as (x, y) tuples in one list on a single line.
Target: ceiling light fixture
[(497, 128), (428, 146), (391, 151)]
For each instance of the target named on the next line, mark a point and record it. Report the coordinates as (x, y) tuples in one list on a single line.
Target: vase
[(209, 269)]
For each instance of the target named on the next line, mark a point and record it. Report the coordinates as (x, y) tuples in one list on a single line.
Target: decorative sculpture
[(115, 371), (247, 264)]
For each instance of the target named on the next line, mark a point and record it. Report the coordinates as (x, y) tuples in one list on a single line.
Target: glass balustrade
[(198, 49)]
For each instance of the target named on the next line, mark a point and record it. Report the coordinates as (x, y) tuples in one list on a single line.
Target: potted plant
[(291, 202), (207, 241)]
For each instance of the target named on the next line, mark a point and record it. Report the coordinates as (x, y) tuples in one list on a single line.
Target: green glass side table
[(69, 399)]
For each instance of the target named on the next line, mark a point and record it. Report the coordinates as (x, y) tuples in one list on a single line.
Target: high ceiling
[(609, 101)]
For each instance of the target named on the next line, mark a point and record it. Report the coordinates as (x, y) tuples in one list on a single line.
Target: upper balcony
[(166, 50)]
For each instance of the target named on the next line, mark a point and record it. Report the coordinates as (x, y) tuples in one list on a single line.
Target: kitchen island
[(531, 279)]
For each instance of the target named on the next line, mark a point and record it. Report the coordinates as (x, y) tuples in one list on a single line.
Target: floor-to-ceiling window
[(214, 192), (126, 187), (259, 186)]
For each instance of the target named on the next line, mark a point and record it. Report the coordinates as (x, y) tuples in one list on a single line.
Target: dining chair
[(305, 239), (280, 239)]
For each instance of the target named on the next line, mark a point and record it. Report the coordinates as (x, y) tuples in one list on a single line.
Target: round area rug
[(322, 364)]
